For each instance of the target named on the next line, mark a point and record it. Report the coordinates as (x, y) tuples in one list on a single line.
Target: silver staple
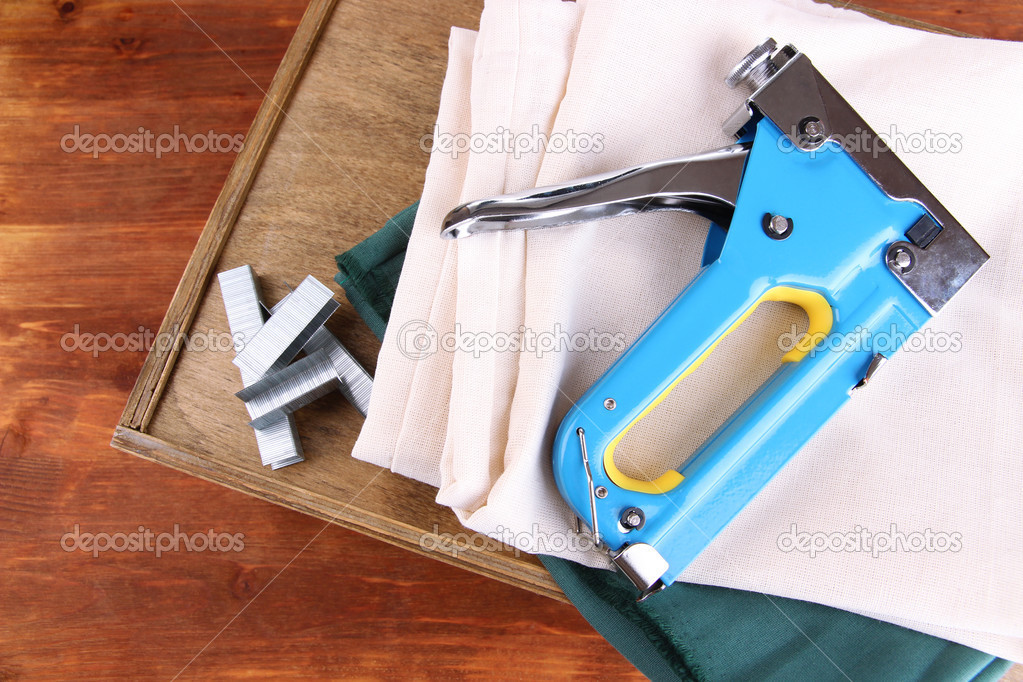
[(356, 383), (295, 386), (280, 339), (278, 443)]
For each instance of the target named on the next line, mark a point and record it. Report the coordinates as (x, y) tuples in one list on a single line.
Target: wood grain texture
[(101, 243), (345, 158), (225, 211)]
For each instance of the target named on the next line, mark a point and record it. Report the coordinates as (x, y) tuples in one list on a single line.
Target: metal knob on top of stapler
[(845, 231)]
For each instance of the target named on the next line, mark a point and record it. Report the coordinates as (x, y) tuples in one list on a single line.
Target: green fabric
[(369, 271), (695, 632)]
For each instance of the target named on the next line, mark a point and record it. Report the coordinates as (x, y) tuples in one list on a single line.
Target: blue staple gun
[(845, 231)]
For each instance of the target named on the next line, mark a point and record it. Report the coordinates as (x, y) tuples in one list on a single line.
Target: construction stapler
[(845, 231)]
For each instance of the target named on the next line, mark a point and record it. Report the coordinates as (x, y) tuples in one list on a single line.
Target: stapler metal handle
[(705, 183)]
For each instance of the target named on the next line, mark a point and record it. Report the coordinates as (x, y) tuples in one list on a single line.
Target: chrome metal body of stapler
[(846, 232)]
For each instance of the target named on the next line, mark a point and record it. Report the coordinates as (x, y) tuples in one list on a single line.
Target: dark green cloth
[(369, 271), (695, 632)]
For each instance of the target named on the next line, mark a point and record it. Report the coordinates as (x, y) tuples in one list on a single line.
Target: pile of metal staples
[(265, 343)]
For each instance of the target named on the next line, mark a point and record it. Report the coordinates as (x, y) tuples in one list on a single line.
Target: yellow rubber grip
[(820, 319)]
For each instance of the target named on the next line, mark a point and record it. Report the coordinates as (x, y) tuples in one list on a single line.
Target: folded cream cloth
[(518, 67), (928, 449), (426, 279), (521, 66)]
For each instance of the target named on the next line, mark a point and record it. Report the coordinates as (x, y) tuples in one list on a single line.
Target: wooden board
[(333, 152)]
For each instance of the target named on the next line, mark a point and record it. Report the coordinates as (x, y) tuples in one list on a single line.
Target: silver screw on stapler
[(902, 259)]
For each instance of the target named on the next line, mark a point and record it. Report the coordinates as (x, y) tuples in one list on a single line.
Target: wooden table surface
[(97, 245)]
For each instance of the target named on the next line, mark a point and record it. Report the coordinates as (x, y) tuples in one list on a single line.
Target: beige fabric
[(931, 447)]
